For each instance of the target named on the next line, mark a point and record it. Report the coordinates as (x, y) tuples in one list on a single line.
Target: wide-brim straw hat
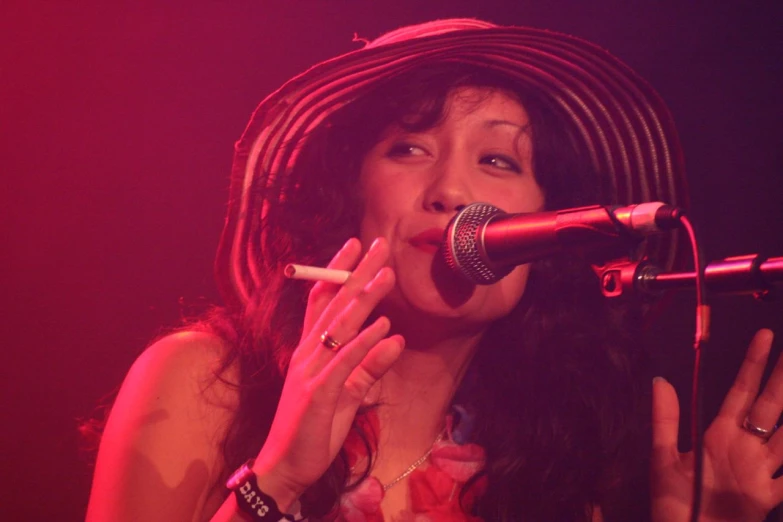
[(622, 122)]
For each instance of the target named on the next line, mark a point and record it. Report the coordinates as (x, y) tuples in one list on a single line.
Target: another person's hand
[(324, 387), (738, 464)]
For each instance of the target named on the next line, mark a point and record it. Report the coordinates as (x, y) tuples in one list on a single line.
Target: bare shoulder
[(181, 377), (160, 453), (186, 357)]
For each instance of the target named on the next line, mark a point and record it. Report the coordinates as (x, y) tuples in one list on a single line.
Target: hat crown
[(432, 28)]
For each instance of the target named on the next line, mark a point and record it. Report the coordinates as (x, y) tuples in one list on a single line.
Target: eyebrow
[(495, 123)]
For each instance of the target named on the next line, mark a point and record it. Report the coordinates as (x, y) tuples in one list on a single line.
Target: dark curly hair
[(559, 389)]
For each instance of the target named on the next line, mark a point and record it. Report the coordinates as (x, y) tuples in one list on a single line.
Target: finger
[(743, 392), (346, 325), (322, 292), (665, 424), (765, 411), (368, 269), (346, 257), (356, 387), (374, 366), (375, 258), (340, 367), (328, 369), (775, 447)]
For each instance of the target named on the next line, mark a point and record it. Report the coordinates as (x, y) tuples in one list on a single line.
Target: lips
[(428, 240)]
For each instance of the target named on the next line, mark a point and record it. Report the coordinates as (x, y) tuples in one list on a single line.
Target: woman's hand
[(738, 465), (324, 387)]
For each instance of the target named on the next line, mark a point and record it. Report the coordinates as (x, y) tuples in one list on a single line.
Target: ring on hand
[(755, 430), (330, 342)]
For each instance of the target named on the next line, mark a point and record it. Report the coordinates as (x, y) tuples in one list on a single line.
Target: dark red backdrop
[(117, 127)]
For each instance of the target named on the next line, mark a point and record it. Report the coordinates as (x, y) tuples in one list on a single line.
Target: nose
[(448, 189)]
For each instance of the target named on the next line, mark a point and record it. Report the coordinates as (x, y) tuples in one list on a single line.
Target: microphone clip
[(623, 277)]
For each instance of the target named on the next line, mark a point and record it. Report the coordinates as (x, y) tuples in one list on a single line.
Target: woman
[(407, 393)]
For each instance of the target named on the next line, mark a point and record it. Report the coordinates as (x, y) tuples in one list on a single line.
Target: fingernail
[(375, 243), (348, 243), (658, 378), (385, 272)]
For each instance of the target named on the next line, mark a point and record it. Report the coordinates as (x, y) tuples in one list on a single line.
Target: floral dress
[(434, 491)]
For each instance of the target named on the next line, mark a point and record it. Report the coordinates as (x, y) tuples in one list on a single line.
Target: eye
[(501, 162), (404, 149)]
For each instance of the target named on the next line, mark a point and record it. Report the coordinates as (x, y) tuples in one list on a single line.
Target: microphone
[(484, 244)]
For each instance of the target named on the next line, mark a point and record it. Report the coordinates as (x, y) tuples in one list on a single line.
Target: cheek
[(526, 197), (370, 218), (374, 206), (386, 200), (378, 216)]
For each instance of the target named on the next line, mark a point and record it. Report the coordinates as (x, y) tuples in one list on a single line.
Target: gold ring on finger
[(757, 431), (330, 342)]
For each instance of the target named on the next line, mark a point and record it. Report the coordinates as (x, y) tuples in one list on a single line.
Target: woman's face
[(413, 183)]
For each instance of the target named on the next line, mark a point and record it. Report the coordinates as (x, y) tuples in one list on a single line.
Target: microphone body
[(483, 243)]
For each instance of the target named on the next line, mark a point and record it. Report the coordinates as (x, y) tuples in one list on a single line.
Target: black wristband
[(253, 501)]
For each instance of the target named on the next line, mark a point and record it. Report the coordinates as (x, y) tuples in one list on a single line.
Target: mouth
[(429, 240)]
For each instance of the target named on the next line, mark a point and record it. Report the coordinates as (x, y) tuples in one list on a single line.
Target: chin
[(424, 299), (430, 289)]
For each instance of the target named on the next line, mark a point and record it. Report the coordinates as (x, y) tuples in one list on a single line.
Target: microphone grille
[(464, 251)]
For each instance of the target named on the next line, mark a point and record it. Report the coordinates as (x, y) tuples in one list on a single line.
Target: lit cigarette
[(315, 273)]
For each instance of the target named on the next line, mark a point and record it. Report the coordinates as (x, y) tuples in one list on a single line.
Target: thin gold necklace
[(412, 467)]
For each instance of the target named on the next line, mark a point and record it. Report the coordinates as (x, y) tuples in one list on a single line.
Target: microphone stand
[(750, 274)]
